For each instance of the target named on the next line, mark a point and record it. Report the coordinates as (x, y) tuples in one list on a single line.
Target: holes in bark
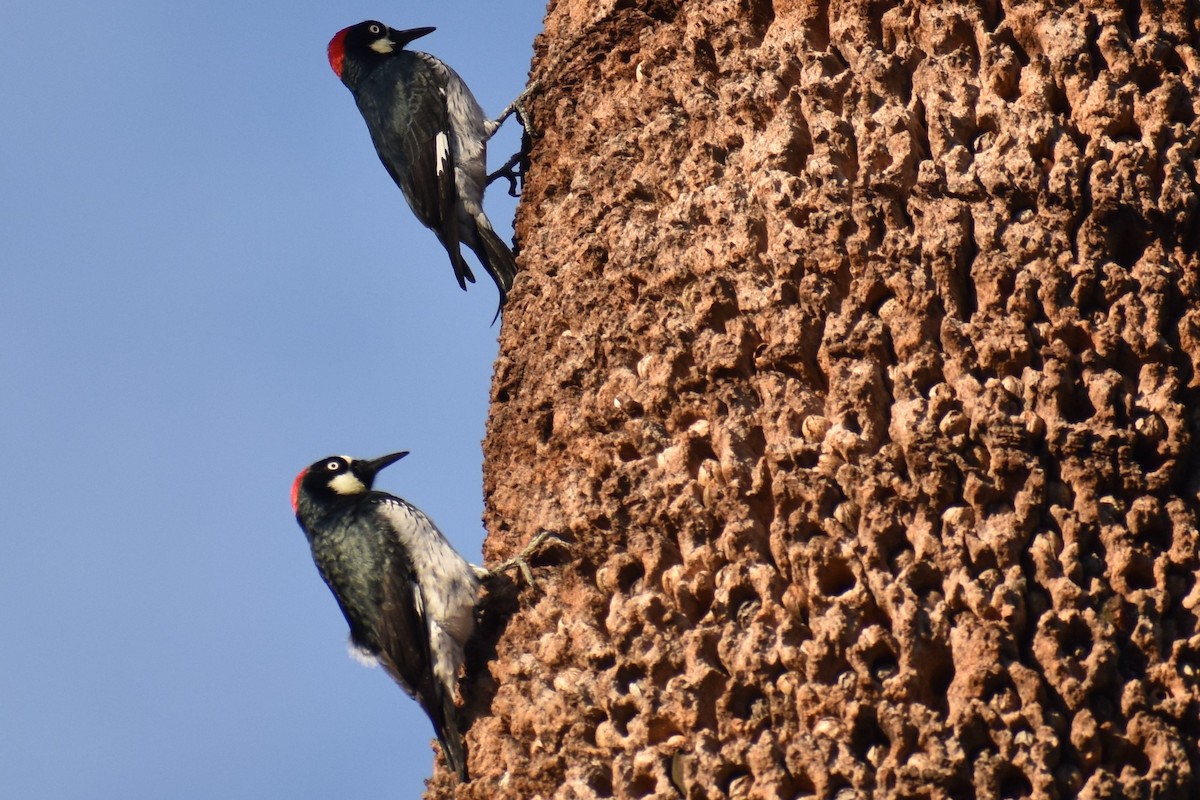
[(1001, 507), (866, 736), (1126, 236), (964, 291), (1011, 783), (704, 57), (877, 305), (1076, 640), (838, 783), (807, 458), (1077, 405), (974, 738), (985, 135), (1148, 80), (762, 14), (662, 11), (789, 294), (626, 676), (698, 451), (748, 703), (1139, 571), (893, 548), (1006, 36), (621, 713), (1180, 581), (730, 775), (1132, 756), (627, 452), (545, 425), (997, 690), (799, 147), (900, 557), (993, 15), (1133, 20), (1102, 707), (924, 580), (835, 578), (938, 670), (817, 34), (830, 665), (743, 603), (599, 779), (629, 574), (1150, 524), (643, 785), (984, 560), (882, 662), (660, 730), (851, 423), (1059, 103)]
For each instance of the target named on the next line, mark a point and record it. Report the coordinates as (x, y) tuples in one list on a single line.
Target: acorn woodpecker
[(408, 596), (431, 136)]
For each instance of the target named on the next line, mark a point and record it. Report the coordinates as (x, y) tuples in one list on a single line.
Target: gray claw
[(520, 560)]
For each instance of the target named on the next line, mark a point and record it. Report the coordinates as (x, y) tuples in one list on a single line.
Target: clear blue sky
[(209, 282)]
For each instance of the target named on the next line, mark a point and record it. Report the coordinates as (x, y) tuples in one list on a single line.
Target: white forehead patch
[(384, 45), (347, 483)]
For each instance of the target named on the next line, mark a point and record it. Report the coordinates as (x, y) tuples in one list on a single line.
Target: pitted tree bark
[(856, 349)]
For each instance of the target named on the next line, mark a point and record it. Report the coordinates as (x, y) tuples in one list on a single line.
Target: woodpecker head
[(354, 51), (338, 476)]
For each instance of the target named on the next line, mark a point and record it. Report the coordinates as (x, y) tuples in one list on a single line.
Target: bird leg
[(513, 171), (520, 560), (491, 126)]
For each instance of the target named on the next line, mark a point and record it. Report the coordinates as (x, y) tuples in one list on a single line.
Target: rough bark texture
[(856, 349)]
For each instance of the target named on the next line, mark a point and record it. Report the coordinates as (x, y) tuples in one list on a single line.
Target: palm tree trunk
[(855, 349)]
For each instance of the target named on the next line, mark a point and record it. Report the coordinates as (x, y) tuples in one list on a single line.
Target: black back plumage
[(405, 113), (372, 578), (421, 115)]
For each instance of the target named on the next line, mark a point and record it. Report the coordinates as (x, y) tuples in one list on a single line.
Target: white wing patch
[(443, 151)]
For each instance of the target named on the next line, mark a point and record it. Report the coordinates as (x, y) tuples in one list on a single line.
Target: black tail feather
[(450, 738), (497, 259), (461, 271)]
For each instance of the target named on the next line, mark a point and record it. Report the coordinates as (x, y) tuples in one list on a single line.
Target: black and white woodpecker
[(407, 594), (431, 135)]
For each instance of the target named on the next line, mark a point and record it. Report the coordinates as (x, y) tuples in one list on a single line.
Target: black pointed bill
[(401, 38), (367, 470)]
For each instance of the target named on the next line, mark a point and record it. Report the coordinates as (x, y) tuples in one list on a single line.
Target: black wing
[(405, 109), (403, 636)]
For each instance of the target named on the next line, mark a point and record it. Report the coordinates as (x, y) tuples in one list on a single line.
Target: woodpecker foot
[(520, 560), (517, 106), (513, 171)]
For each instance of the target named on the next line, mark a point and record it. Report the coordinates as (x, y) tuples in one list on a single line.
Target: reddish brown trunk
[(855, 347)]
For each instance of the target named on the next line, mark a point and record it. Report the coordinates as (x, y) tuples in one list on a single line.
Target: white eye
[(375, 29), (333, 466)]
